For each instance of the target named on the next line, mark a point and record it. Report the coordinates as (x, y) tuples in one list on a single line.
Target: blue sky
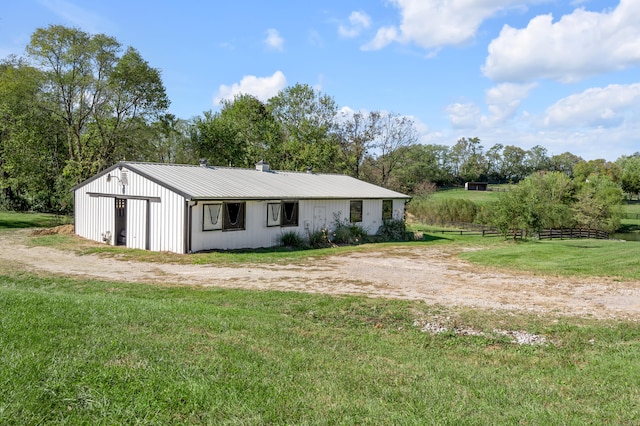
[(561, 74)]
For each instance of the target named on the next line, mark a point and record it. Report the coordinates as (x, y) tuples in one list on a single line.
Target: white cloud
[(82, 18), (463, 116), (273, 41), (358, 21), (595, 107), (435, 23), (384, 36), (262, 88), (503, 101), (580, 44)]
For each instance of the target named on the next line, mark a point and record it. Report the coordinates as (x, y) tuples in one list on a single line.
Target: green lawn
[(605, 258), (88, 352), (13, 220)]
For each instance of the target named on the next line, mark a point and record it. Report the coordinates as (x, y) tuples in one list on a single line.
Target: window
[(355, 211), (284, 213), (387, 209), (273, 214), (289, 213), (211, 217), (233, 216)]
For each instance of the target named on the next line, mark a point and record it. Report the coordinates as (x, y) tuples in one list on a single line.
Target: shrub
[(345, 232), (319, 239), (392, 230), (341, 235), (291, 239)]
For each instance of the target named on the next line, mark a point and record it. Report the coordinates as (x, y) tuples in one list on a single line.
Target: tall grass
[(446, 210)]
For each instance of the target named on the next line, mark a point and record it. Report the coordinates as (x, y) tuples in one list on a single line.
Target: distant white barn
[(186, 208)]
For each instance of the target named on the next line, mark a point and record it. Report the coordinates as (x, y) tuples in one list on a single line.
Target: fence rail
[(631, 216), (465, 228), (569, 233)]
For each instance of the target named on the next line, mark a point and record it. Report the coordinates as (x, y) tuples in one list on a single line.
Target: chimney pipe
[(262, 166)]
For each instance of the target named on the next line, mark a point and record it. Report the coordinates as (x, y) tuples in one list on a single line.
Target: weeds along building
[(190, 208)]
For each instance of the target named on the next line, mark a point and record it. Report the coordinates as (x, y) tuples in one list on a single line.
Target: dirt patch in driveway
[(435, 275)]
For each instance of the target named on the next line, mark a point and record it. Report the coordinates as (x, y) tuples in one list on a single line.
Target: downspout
[(190, 226), (147, 243), (187, 226)]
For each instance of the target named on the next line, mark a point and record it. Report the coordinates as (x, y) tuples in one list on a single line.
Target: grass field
[(631, 223), (88, 352), (76, 351), (603, 258), (12, 220), (475, 196)]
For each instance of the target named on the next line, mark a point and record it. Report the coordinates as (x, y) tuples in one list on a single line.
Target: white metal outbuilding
[(186, 208)]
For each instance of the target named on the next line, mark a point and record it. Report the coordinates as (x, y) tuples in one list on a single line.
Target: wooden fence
[(545, 234), (569, 233), (466, 228)]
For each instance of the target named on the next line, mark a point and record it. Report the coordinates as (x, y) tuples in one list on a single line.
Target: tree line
[(76, 103)]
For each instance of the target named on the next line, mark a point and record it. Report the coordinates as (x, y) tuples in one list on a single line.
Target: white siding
[(137, 224), (255, 234), (94, 215), (313, 215), (371, 215)]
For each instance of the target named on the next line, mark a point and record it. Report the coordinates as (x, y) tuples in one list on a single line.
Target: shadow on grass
[(17, 224), (287, 249), (628, 227), (17, 220), (430, 238)]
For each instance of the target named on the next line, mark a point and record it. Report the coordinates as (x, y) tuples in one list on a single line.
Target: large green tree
[(513, 166), (171, 142), (583, 170), (495, 172), (216, 140), (32, 153), (357, 133), (307, 119), (630, 179), (419, 167), (396, 132), (542, 200), (564, 163), (104, 97), (242, 133), (537, 159), (598, 204), (469, 159)]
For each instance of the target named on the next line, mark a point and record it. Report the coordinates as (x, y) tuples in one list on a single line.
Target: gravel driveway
[(435, 275)]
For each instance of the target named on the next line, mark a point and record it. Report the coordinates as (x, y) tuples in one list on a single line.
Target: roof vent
[(203, 162), (262, 166)]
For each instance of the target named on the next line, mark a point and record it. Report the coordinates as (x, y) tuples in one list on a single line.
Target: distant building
[(187, 208), (476, 186)]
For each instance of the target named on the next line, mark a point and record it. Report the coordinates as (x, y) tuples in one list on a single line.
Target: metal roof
[(200, 182)]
